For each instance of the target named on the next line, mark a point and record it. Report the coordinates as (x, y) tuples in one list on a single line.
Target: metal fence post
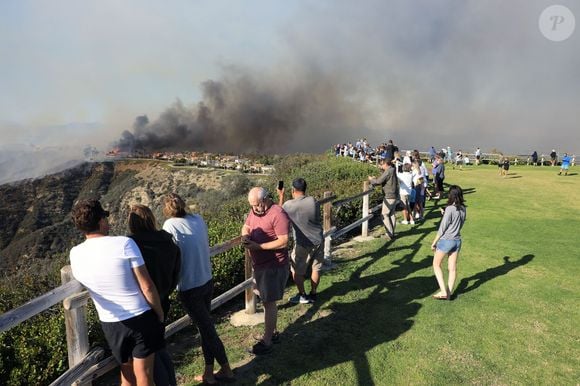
[(365, 210), (77, 337)]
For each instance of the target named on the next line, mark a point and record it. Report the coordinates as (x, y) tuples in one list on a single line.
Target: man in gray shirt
[(390, 184), (304, 212)]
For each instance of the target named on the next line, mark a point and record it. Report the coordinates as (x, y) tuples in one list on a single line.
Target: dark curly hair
[(86, 215)]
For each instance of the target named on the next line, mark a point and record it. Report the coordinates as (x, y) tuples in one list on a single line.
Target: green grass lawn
[(516, 318)]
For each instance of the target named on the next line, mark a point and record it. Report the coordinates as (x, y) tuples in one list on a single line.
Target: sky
[(306, 74)]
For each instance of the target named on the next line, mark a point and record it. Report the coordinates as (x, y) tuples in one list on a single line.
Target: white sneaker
[(417, 216), (404, 222), (412, 222)]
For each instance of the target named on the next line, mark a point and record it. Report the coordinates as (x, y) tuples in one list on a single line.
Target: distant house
[(268, 169)]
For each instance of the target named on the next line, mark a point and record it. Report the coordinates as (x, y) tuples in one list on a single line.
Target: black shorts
[(137, 337)]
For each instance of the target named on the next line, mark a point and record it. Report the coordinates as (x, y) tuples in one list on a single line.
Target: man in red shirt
[(265, 235)]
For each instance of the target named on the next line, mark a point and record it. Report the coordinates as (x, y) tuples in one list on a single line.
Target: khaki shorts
[(271, 282), (303, 257)]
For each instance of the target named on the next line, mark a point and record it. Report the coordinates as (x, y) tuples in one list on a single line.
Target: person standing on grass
[(195, 285), (565, 164), (448, 241), (553, 157), (304, 212), (505, 166), (405, 189), (127, 302), (438, 176), (163, 261), (390, 184), (265, 236)]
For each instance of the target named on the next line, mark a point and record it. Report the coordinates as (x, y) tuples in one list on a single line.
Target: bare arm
[(280, 196), (279, 243), (149, 291)]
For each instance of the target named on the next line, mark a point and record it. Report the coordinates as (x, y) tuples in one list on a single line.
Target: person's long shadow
[(475, 281), (344, 331)]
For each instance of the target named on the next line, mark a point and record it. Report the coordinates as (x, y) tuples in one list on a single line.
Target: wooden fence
[(87, 365)]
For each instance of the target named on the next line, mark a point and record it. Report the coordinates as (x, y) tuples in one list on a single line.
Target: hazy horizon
[(287, 77)]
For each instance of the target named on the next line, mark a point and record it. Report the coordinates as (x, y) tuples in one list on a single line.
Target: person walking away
[(195, 285), (265, 236), (304, 213), (390, 185), (163, 261), (448, 242), (127, 303), (565, 164)]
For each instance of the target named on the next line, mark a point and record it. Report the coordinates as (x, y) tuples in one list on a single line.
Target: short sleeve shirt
[(267, 228), (104, 265)]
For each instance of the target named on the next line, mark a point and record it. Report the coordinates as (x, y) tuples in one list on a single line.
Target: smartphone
[(280, 185)]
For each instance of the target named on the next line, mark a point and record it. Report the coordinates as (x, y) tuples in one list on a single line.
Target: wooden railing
[(87, 365)]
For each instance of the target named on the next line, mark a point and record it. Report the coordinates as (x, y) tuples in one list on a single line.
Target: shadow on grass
[(349, 326), (351, 317), (491, 273)]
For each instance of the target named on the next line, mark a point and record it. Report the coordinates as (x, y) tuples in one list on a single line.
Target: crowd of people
[(130, 278)]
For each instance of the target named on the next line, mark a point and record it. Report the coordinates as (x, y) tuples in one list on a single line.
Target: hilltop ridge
[(34, 214)]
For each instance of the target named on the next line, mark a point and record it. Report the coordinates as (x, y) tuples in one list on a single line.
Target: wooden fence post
[(365, 210), (77, 337), (250, 296), (326, 225)]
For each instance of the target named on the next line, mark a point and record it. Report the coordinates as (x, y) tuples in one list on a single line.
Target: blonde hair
[(173, 206), (141, 219)]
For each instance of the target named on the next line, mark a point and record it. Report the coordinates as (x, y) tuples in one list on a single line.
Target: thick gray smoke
[(424, 73), (244, 112)]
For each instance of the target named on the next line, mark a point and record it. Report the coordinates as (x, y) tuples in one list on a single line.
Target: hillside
[(34, 214)]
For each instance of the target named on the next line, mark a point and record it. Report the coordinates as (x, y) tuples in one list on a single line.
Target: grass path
[(516, 319)]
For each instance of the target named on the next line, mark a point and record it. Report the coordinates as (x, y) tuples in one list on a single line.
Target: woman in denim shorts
[(448, 241)]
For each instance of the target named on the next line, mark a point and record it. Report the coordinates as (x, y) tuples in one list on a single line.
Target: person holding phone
[(265, 236), (304, 212)]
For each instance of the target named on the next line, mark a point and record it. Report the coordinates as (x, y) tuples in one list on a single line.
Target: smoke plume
[(244, 112)]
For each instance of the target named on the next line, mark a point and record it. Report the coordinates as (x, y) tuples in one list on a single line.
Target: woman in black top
[(163, 261)]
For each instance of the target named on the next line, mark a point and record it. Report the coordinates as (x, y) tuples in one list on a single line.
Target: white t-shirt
[(104, 265), (405, 183)]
